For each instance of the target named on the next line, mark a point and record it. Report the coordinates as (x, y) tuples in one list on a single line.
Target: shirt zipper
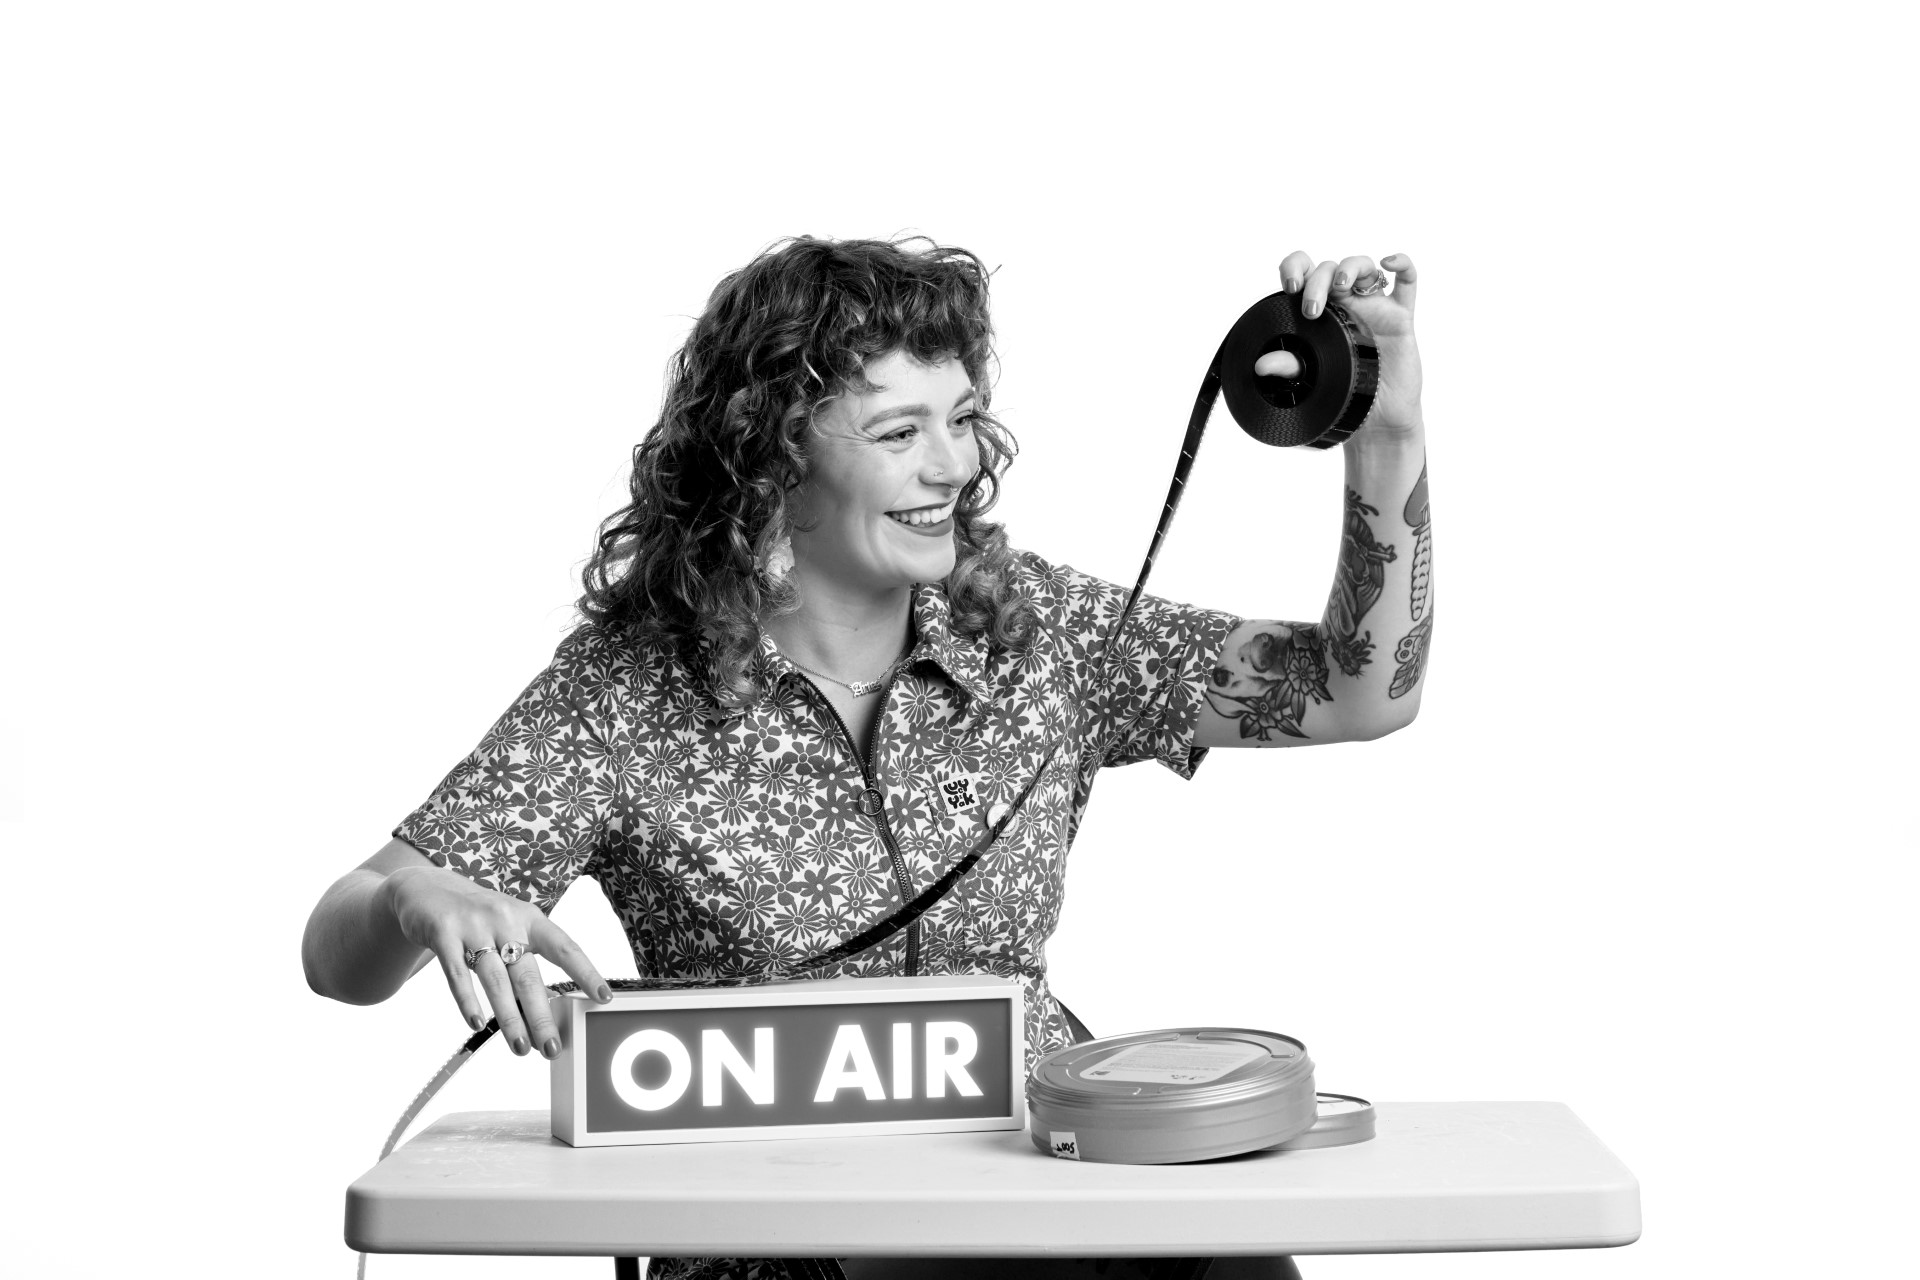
[(874, 805)]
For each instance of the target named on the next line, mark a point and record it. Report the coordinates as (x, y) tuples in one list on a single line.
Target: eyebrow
[(911, 411)]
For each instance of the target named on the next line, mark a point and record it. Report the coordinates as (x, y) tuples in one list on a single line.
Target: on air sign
[(790, 1059)]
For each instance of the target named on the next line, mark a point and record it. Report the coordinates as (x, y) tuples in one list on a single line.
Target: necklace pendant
[(858, 688)]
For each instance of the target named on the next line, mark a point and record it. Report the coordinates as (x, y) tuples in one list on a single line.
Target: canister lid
[(1341, 1119)]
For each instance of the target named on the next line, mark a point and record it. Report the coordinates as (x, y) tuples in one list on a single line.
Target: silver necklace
[(858, 688)]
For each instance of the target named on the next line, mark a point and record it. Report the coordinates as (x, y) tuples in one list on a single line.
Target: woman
[(811, 672)]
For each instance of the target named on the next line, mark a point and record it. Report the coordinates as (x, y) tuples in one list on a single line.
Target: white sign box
[(790, 1059)]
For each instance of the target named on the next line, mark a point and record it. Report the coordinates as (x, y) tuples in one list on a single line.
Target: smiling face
[(876, 513)]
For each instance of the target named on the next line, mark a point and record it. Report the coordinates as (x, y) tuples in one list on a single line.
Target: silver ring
[(1366, 288), (510, 953), (474, 954)]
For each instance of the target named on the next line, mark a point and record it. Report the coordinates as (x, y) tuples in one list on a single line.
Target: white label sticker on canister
[(1063, 1144), (1174, 1062)]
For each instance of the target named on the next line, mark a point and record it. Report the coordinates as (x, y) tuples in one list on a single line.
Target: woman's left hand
[(1388, 316)]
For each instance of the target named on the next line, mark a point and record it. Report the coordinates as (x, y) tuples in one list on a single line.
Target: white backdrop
[(327, 330)]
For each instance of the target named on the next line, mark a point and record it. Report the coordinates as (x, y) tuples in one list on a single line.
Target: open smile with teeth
[(922, 515)]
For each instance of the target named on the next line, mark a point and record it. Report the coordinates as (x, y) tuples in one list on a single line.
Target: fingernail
[(1342, 280), (519, 1045), (1293, 285), (551, 1048), (604, 994), (473, 1020), (1312, 309)]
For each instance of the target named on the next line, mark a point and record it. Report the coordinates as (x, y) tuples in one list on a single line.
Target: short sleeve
[(528, 810), (1143, 693)]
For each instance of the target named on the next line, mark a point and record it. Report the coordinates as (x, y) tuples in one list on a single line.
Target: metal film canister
[(1163, 1097)]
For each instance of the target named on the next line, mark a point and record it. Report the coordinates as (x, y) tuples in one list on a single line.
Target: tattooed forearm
[(1280, 670), (1267, 682), (1411, 652), (1357, 584)]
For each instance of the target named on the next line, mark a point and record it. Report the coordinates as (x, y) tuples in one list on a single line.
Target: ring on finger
[(1376, 283), (474, 953), (510, 953)]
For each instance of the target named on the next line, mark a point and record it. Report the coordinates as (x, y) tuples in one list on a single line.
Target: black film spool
[(1329, 399)]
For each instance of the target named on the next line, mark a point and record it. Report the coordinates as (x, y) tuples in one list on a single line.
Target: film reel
[(1331, 396), (1320, 408)]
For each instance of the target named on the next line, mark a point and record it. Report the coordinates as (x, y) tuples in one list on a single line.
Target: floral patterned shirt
[(735, 843)]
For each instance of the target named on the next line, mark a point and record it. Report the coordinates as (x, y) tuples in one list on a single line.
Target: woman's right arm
[(383, 921)]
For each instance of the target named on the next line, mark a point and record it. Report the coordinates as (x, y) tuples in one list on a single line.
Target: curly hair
[(713, 482)]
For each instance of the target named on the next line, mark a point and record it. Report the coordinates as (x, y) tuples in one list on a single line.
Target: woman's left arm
[(1357, 672)]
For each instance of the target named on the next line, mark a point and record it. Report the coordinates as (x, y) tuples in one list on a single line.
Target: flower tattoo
[(1288, 669)]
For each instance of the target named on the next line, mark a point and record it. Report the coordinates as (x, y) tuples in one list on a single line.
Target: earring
[(779, 560)]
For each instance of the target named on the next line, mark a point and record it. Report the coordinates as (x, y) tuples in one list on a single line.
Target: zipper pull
[(871, 803)]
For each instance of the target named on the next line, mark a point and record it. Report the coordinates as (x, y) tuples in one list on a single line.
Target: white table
[(1438, 1176)]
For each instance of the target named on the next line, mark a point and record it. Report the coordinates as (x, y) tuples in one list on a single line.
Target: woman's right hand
[(451, 916)]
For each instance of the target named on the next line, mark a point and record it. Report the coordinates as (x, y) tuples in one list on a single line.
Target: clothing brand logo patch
[(958, 792)]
